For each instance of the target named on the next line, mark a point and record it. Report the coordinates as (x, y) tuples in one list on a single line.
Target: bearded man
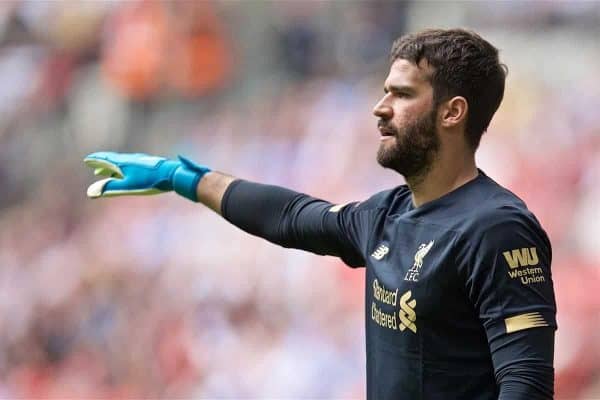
[(459, 295)]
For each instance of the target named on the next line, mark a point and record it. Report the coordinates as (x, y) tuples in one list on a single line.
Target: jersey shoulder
[(385, 199), (499, 212)]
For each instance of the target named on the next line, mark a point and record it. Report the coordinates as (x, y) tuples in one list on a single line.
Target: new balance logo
[(521, 257), (407, 313), (380, 252)]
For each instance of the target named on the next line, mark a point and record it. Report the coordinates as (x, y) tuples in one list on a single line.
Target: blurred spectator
[(174, 46)]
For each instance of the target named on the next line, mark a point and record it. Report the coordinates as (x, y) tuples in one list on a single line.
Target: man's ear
[(453, 112)]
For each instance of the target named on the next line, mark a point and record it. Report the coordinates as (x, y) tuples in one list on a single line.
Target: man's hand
[(143, 174)]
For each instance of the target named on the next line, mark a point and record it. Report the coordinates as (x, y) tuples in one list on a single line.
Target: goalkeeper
[(459, 296)]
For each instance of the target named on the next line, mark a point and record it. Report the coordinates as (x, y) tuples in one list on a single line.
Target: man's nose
[(383, 110)]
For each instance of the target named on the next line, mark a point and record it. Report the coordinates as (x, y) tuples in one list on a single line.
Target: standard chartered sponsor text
[(384, 295), (386, 320)]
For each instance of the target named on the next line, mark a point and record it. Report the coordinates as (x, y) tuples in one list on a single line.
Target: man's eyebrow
[(398, 88)]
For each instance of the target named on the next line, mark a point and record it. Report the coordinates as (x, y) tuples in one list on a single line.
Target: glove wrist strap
[(186, 177)]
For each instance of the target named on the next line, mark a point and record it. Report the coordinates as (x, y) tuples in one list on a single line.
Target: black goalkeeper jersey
[(449, 285)]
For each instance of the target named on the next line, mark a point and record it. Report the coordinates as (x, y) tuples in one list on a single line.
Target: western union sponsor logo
[(521, 257), (524, 321), (525, 272)]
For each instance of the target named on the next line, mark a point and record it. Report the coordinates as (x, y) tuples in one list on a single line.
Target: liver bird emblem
[(420, 255)]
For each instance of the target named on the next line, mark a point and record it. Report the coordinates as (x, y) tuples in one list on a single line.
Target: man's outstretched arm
[(295, 220), (280, 215)]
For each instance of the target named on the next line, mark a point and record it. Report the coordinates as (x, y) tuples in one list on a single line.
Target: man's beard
[(413, 150)]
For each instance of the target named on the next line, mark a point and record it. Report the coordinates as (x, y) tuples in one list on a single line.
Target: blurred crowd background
[(159, 298)]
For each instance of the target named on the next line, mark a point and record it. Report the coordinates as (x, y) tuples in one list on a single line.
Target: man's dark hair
[(464, 64)]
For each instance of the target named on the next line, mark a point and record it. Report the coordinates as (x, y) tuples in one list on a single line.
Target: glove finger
[(96, 189), (105, 172), (104, 155), (124, 158), (111, 187), (103, 167)]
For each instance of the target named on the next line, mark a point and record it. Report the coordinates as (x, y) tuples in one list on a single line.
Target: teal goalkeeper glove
[(143, 174)]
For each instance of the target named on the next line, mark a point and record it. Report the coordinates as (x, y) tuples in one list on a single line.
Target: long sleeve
[(509, 282), (295, 220), (523, 363)]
